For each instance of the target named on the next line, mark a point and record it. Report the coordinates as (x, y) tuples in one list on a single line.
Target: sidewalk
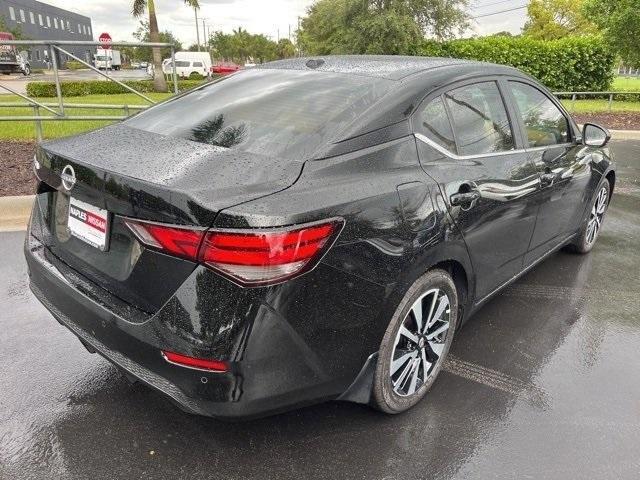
[(14, 212)]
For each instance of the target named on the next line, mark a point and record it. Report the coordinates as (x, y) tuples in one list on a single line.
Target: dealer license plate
[(88, 223)]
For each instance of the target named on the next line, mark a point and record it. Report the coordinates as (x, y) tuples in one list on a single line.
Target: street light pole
[(195, 10), (205, 39)]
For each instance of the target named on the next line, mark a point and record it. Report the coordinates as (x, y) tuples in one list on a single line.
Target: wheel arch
[(611, 176), (461, 280), (452, 258)]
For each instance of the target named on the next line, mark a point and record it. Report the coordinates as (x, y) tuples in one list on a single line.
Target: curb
[(14, 212), (625, 134)]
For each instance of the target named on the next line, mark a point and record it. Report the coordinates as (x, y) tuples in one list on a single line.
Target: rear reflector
[(198, 363), (251, 257), (265, 257)]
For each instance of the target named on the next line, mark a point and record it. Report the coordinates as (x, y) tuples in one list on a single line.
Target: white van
[(188, 63)]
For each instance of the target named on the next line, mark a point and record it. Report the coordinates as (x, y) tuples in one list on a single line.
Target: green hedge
[(568, 64), (74, 65), (98, 87)]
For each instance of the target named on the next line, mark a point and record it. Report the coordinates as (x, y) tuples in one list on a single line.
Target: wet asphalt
[(543, 382)]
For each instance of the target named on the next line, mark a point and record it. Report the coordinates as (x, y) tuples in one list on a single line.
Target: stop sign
[(105, 39)]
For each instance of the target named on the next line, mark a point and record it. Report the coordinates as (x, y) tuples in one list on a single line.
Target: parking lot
[(543, 382)]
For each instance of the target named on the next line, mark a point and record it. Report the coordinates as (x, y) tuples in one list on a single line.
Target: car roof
[(391, 67)]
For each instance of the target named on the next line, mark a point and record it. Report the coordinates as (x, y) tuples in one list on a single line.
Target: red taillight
[(193, 362), (269, 256), (181, 242), (251, 258)]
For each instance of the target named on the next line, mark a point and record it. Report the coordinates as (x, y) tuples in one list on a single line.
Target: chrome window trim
[(455, 156)]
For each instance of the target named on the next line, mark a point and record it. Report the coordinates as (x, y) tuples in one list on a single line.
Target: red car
[(224, 68)]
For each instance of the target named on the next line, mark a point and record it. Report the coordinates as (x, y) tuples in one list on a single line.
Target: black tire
[(385, 398), (585, 242)]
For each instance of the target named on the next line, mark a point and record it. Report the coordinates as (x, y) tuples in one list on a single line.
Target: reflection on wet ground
[(544, 382)]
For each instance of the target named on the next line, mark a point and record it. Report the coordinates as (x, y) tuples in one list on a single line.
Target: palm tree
[(138, 8)]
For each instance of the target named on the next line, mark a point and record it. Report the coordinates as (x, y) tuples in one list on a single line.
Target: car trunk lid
[(131, 173)]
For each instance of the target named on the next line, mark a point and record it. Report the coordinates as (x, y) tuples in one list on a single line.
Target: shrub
[(99, 87), (568, 64), (75, 65)]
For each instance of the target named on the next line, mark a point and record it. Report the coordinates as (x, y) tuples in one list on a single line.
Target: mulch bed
[(16, 168), (613, 121), (16, 158)]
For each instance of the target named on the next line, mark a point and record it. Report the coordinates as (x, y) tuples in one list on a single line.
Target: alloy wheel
[(420, 342), (597, 214)]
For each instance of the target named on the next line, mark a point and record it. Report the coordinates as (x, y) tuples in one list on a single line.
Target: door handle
[(547, 178), (462, 198)]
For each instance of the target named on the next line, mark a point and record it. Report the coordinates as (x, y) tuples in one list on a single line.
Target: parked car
[(144, 65), (310, 229), (224, 68), (135, 65), (189, 63)]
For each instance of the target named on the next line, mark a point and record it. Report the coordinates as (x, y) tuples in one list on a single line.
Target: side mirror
[(594, 135)]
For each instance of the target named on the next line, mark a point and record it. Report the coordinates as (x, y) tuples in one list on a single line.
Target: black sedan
[(310, 229)]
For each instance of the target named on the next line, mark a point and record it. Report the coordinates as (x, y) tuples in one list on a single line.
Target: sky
[(269, 17)]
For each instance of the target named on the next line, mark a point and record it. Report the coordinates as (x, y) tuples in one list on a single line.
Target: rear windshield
[(286, 113)]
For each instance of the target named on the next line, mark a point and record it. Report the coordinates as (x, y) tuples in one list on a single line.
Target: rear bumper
[(10, 67), (258, 383)]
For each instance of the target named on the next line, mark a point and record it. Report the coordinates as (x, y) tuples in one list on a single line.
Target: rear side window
[(479, 119), (543, 121), (287, 113), (433, 122), (182, 63), (197, 64)]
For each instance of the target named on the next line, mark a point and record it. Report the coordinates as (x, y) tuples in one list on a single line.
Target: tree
[(620, 21), (441, 19), (145, 54), (285, 48), (503, 33), (221, 45), (378, 26), (553, 19), (241, 46), (262, 49), (138, 9), (16, 32)]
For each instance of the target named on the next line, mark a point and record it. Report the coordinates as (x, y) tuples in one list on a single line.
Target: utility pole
[(297, 38), (205, 39), (289, 37), (195, 10)]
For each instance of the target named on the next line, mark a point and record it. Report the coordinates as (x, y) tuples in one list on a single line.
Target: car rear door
[(563, 170), (468, 144)]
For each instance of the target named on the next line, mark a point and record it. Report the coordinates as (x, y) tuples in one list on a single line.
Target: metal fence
[(606, 96), (58, 110)]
